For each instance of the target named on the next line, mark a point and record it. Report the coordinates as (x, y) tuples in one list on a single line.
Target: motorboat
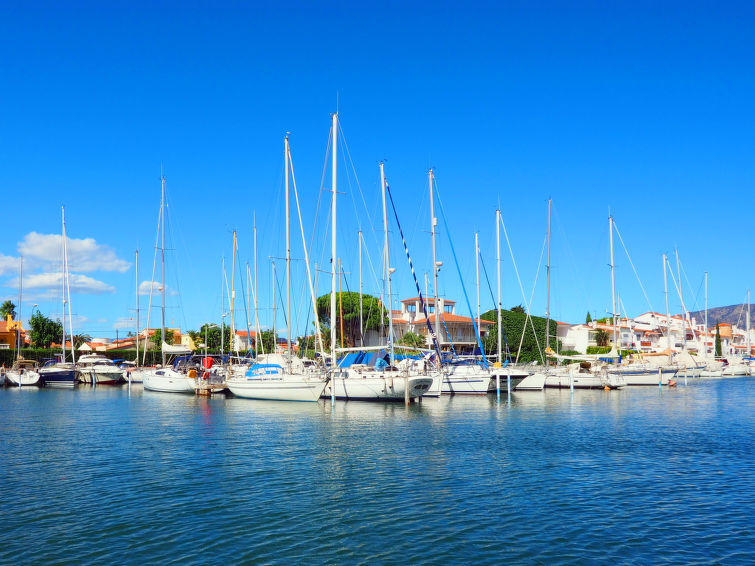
[(98, 370), (59, 374)]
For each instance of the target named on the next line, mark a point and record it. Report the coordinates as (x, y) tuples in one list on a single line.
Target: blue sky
[(638, 108)]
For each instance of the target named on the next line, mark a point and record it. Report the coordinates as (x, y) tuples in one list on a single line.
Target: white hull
[(26, 379), (534, 382), (167, 380), (105, 376), (583, 381), (278, 387), (378, 386)]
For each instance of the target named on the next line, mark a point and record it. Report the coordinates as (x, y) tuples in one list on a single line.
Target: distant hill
[(733, 314)]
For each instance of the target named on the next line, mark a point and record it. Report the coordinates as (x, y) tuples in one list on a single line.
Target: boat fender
[(206, 375), (671, 383), (606, 388), (192, 373)]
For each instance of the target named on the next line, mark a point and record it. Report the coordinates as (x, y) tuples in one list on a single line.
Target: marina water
[(639, 476)]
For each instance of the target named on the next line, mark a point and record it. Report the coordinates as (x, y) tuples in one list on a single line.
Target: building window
[(431, 309), (411, 308), (448, 308)]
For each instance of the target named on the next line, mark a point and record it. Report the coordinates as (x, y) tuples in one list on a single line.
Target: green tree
[(413, 340), (718, 353), (267, 341), (7, 308), (513, 328), (79, 339), (519, 309), (157, 340), (601, 337), (44, 331), (210, 334), (588, 318), (373, 313)]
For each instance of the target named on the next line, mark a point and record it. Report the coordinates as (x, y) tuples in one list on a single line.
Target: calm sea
[(638, 476)]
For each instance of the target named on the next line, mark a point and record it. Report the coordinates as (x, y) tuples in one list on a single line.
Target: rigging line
[(243, 296), (503, 334), (521, 288), (529, 306), (280, 296), (689, 285), (152, 283), (430, 330), (320, 192), (616, 227), (461, 279)]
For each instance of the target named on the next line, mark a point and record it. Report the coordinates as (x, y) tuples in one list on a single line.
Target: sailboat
[(381, 379), (22, 372), (60, 373), (165, 378), (276, 377)]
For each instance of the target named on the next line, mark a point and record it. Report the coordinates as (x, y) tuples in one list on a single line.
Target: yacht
[(98, 370)]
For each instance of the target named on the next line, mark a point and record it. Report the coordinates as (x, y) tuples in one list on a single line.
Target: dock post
[(498, 386), (660, 378), (508, 385), (685, 376)]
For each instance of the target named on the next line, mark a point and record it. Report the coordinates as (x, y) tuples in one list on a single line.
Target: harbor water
[(635, 476)]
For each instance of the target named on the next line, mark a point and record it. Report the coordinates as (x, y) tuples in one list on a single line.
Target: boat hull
[(59, 377), (27, 378), (166, 380), (378, 387), (277, 388)]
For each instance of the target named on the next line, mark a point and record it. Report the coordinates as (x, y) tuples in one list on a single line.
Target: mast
[(361, 324), (548, 286), (668, 316), (681, 300), (137, 307), (288, 259), (333, 254), (613, 281), (233, 298), (256, 313), (387, 259), (222, 306), (498, 265), (436, 265), (706, 315), (18, 314), (749, 347), (275, 315), (162, 264), (477, 272), (67, 294)]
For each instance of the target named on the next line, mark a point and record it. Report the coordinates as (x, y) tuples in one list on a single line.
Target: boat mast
[(67, 291), (20, 298), (613, 282), (256, 312), (498, 265), (288, 259), (436, 265), (233, 298), (275, 314), (548, 288), (749, 347), (137, 307), (334, 135), (681, 300), (668, 316), (361, 324), (162, 264), (706, 316), (388, 271), (222, 306), (477, 272)]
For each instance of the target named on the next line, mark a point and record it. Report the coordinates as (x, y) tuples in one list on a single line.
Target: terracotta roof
[(428, 300), (244, 333)]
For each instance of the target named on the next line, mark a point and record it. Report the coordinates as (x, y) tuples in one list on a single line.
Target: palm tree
[(79, 339), (8, 308)]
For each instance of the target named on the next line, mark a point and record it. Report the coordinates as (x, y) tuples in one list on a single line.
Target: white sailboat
[(274, 377), (61, 373), (385, 382), (22, 372), (165, 379)]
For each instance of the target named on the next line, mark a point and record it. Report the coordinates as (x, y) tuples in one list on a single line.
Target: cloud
[(84, 255), (79, 283), (145, 286), (8, 264), (127, 323)]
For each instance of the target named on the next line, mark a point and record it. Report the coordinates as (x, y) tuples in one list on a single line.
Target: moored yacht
[(98, 369), (23, 373)]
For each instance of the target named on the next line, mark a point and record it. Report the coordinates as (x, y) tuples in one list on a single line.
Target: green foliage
[(413, 340), (372, 314), (267, 341), (598, 349), (588, 318), (8, 308), (718, 353), (79, 339), (512, 324), (44, 331), (211, 332), (519, 309), (602, 338), (157, 341)]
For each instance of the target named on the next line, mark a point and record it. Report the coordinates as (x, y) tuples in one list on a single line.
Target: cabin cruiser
[(98, 370)]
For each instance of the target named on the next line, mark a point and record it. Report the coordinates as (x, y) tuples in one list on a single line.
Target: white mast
[(613, 281), (498, 265), (706, 315), (361, 323), (668, 316), (233, 299), (477, 272), (137, 307), (67, 294), (388, 270), (333, 256), (275, 314), (20, 298), (436, 264), (222, 306), (681, 300), (162, 263), (749, 347), (288, 261), (256, 312), (548, 286)]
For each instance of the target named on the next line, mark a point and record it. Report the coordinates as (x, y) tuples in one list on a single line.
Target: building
[(9, 330)]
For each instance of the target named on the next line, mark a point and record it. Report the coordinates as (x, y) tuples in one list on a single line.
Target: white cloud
[(127, 323), (8, 264), (145, 286), (79, 283), (86, 255)]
